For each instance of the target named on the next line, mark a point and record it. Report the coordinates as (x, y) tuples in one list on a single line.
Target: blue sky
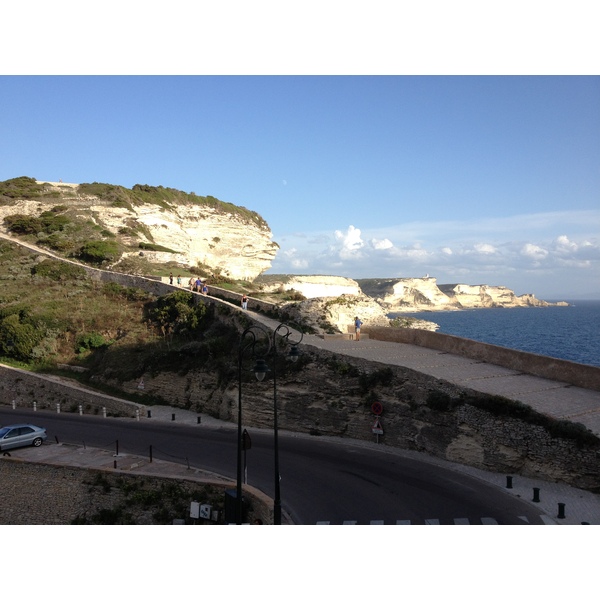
[(470, 178)]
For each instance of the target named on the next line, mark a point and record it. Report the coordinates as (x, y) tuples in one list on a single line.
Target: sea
[(567, 332)]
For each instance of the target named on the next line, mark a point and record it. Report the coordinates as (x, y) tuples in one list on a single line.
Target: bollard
[(172, 416), (58, 407), (149, 414), (80, 409), (137, 414), (199, 420), (150, 453), (34, 406), (536, 494), (14, 404), (561, 510), (509, 481), (104, 411), (115, 464)]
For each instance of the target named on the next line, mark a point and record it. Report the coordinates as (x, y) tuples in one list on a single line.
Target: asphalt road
[(321, 479)]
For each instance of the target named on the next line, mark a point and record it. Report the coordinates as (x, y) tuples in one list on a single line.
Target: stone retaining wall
[(23, 388)]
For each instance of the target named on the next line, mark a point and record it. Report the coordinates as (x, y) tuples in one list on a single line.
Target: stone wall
[(585, 376), (24, 389)]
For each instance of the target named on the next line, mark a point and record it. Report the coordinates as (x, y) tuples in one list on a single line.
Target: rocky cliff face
[(310, 286), (212, 234), (336, 315), (416, 294)]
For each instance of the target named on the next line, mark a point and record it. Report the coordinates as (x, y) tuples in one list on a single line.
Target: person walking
[(357, 326), (244, 302)]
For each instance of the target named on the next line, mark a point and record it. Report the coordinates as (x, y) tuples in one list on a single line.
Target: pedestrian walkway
[(553, 398)]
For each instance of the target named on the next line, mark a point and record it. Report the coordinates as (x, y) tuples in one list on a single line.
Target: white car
[(23, 434)]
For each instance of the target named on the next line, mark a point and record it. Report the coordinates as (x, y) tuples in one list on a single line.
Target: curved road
[(322, 480)]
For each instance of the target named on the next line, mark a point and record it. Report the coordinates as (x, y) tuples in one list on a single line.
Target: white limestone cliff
[(310, 286), (225, 242)]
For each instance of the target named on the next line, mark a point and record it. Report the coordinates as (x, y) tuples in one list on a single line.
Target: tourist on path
[(357, 326)]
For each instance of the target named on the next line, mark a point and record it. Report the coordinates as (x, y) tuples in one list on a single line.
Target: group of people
[(197, 285)]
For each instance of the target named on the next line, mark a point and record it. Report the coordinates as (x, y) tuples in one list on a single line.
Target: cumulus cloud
[(524, 262), (485, 249), (381, 244), (351, 242), (534, 252)]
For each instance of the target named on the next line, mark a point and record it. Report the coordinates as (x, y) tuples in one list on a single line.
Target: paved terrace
[(550, 397)]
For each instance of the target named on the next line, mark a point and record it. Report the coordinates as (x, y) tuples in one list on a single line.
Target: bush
[(90, 341), (18, 338), (97, 252)]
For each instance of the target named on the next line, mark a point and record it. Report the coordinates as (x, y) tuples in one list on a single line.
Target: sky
[(470, 177)]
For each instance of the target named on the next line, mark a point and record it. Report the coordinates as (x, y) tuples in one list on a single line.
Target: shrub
[(97, 252), (90, 341), (18, 338)]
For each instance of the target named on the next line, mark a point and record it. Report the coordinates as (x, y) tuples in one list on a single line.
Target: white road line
[(488, 521), (432, 521), (461, 521)]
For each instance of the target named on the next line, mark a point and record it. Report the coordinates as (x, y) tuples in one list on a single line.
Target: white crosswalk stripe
[(456, 521)]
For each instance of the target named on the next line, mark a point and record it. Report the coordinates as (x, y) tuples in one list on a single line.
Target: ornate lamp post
[(249, 341), (281, 335)]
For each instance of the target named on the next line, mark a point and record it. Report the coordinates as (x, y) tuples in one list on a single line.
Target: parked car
[(23, 434)]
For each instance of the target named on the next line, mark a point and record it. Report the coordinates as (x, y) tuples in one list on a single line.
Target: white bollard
[(58, 407), (34, 406), (14, 404), (80, 409), (137, 414), (104, 411)]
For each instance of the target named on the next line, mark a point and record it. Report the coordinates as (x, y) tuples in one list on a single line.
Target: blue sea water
[(567, 332)]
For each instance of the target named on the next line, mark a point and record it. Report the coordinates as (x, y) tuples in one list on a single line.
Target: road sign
[(246, 441), (377, 408), (377, 429)]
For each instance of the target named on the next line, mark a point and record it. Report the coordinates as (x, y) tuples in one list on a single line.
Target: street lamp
[(249, 341), (284, 333)]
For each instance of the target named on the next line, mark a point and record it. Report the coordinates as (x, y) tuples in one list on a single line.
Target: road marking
[(349, 523), (403, 522), (488, 521), (524, 519), (376, 522), (461, 521), (432, 521), (323, 522)]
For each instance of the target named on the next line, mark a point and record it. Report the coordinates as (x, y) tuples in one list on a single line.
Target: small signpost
[(377, 429)]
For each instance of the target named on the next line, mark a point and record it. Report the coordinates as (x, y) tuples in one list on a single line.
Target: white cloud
[(534, 252), (485, 249), (381, 244), (351, 242), (550, 264)]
